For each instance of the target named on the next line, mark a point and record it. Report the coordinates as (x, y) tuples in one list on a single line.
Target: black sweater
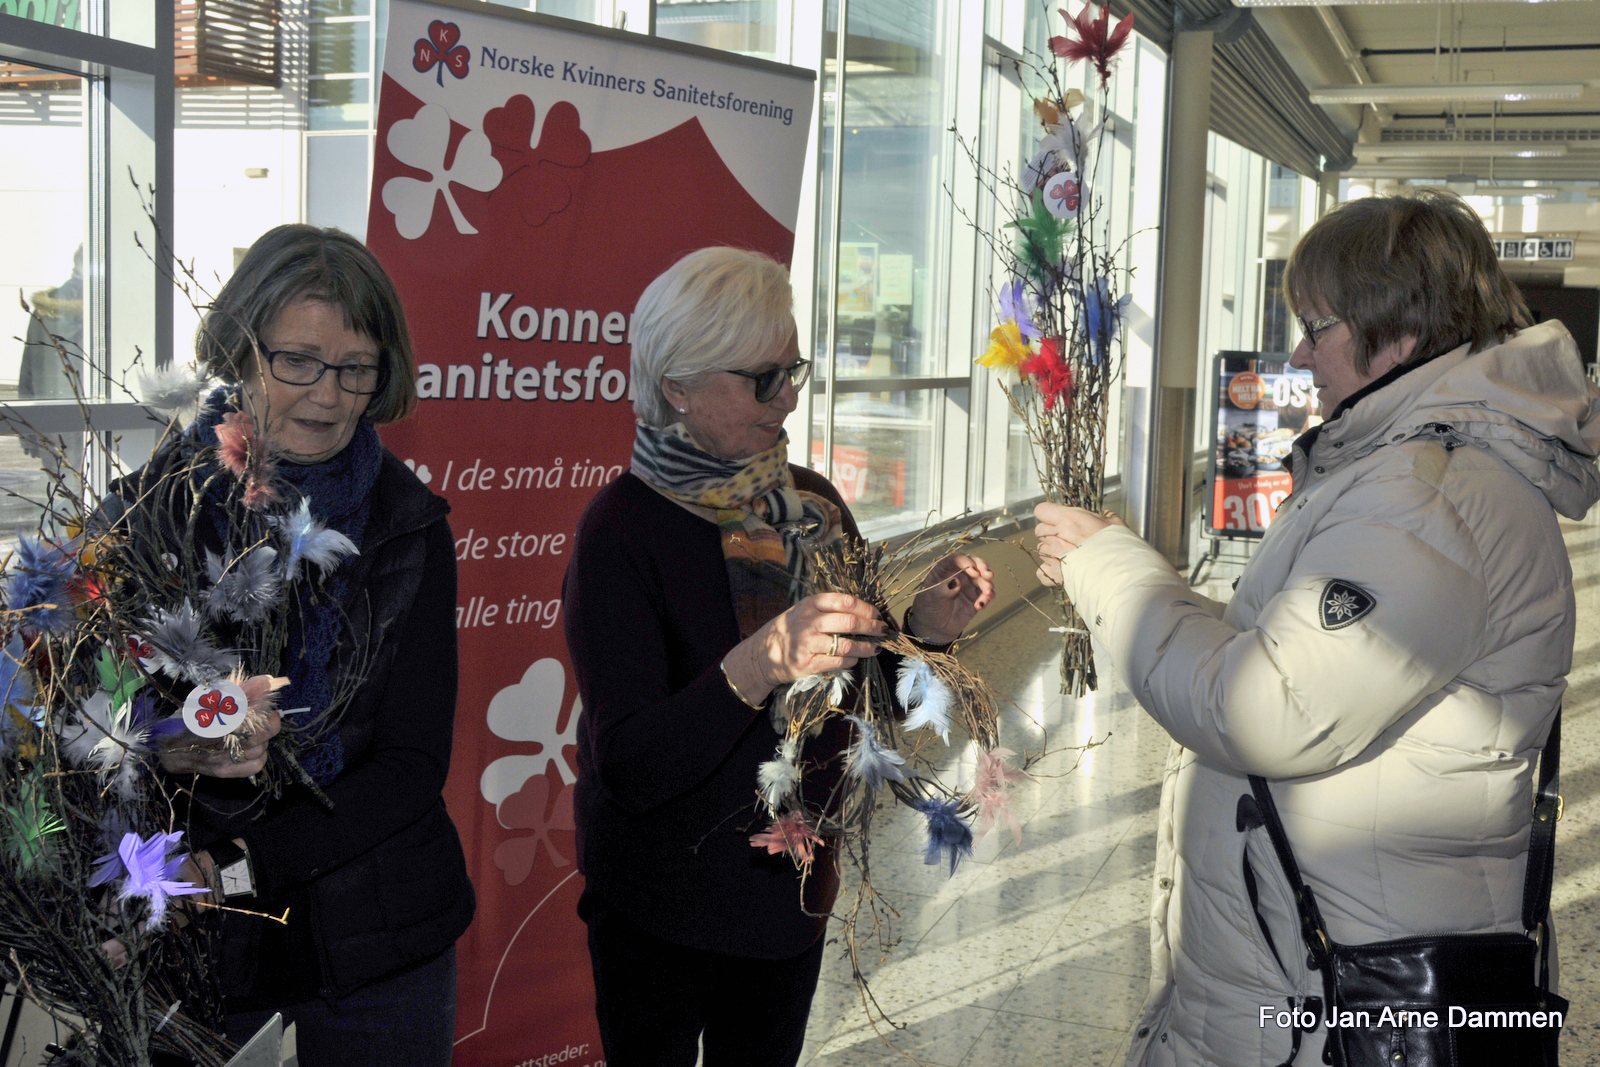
[(667, 755)]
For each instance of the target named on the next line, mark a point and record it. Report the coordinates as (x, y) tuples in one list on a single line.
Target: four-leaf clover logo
[(424, 142), (439, 49)]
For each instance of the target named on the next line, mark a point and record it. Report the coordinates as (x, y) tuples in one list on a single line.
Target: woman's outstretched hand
[(1061, 529), (810, 638), (211, 757), (956, 589)]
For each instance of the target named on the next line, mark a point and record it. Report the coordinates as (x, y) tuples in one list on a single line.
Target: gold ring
[(833, 649)]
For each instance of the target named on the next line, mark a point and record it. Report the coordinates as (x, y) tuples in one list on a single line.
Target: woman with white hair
[(682, 618)]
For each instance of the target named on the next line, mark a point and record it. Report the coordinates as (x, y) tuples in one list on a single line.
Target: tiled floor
[(1038, 953)]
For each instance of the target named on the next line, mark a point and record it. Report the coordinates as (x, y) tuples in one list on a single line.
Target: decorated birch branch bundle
[(149, 621), (937, 696), (1057, 348)]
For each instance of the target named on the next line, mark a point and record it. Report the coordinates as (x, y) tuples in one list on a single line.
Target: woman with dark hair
[(362, 857), (683, 620), (1387, 673)]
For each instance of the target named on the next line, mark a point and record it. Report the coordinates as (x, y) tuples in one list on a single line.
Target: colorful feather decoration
[(311, 542), (103, 737), (39, 582), (779, 777), (925, 697), (245, 588), (789, 833), (838, 683), (180, 648), (991, 793), (174, 389), (948, 834), (27, 826), (1094, 43), (869, 760), (148, 868)]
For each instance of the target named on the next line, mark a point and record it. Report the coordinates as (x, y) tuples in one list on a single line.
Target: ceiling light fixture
[(1454, 149), (1443, 92), (1515, 192)]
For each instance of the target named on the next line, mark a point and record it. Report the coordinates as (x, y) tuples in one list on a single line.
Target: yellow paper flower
[(1006, 350)]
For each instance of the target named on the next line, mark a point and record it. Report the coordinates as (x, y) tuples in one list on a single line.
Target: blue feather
[(925, 697), (308, 541), (244, 588), (947, 833), (870, 760), (40, 575)]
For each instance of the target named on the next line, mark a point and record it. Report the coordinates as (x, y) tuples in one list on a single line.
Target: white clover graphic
[(423, 142), (528, 712)]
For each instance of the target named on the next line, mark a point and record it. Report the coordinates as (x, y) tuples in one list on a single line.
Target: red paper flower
[(1051, 374), (440, 49), (1094, 43)]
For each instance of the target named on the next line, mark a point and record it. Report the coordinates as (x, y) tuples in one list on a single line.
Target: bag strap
[(1541, 844), (1536, 888), (1318, 944)]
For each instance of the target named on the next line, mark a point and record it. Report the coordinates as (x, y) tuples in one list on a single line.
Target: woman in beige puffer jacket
[(1395, 651)]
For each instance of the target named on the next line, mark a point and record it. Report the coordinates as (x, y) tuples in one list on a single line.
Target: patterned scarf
[(764, 520), (340, 491)]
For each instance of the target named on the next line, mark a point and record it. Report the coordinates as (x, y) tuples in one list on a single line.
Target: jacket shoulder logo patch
[(1343, 603)]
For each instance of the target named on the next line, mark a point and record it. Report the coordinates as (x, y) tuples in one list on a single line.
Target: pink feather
[(788, 833), (991, 792), (1095, 42)]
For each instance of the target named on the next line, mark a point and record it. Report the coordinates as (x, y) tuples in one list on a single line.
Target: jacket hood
[(1527, 400)]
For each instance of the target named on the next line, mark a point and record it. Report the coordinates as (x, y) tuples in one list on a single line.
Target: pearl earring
[(683, 411)]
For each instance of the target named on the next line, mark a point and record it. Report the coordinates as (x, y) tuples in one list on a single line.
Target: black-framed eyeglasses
[(1317, 326), (297, 368), (769, 383)]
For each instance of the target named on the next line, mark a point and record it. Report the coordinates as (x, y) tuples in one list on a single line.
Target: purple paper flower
[(1014, 306), (148, 868)]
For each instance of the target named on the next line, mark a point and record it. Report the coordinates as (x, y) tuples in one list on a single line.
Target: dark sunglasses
[(1317, 326), (769, 383)]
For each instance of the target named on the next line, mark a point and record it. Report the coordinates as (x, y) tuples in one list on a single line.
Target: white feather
[(925, 697)]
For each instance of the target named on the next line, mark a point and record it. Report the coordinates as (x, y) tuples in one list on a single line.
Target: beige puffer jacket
[(1393, 657)]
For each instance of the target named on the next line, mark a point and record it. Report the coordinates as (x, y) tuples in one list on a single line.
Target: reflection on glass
[(892, 205), (582, 10), (1022, 478), (336, 8), (42, 199), (883, 456), (62, 13), (749, 27), (339, 47), (339, 103)]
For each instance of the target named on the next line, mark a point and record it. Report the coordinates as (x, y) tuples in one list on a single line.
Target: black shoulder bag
[(1470, 1000)]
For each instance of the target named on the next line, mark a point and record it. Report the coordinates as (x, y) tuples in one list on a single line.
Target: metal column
[(1178, 306)]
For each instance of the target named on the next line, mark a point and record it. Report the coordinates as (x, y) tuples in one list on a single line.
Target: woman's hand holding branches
[(813, 637), (1060, 530), (215, 758), (957, 588)]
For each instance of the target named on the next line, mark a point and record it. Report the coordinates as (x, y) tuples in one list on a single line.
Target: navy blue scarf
[(340, 491)]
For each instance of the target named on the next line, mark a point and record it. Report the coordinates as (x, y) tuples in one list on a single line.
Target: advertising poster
[(1261, 405), (531, 176)]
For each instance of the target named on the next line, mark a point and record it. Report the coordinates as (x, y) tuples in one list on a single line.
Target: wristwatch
[(233, 869)]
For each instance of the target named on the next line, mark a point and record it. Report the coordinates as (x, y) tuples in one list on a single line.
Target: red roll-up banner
[(531, 176)]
